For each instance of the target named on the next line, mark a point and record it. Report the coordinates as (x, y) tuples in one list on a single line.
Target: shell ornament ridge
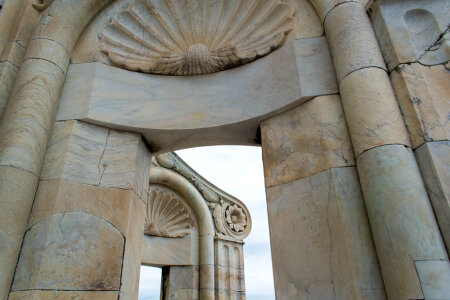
[(193, 37)]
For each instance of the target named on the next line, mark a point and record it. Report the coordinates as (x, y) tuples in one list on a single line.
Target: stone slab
[(169, 251), (63, 295), (61, 196), (173, 112), (306, 140), (424, 97), (410, 31), (70, 251), (434, 276), (320, 239), (91, 154), (434, 163)]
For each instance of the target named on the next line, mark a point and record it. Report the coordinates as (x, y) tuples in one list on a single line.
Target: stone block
[(320, 238), (63, 295), (182, 294), (412, 31), (61, 196), (306, 140), (173, 112), (434, 164), (423, 94), (94, 155), (13, 53), (170, 252), (434, 276), (353, 44), (184, 277), (70, 251), (371, 110), (401, 218)]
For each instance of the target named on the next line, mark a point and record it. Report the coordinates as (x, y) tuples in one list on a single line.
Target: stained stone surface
[(60, 196), (95, 155), (332, 255), (434, 276), (306, 140), (70, 251), (424, 96), (353, 44), (434, 163), (401, 218), (63, 295), (412, 31), (174, 112), (371, 110)]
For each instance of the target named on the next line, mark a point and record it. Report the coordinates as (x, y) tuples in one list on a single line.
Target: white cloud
[(239, 171)]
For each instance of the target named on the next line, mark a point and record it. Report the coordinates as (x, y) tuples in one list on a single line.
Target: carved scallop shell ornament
[(166, 216), (192, 37)]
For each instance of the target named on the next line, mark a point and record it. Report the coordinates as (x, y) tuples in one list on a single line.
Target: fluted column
[(406, 236)]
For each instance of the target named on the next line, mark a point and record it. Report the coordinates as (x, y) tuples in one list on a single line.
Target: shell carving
[(166, 216), (192, 37)]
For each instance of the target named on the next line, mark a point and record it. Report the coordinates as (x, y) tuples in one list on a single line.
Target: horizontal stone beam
[(174, 112)]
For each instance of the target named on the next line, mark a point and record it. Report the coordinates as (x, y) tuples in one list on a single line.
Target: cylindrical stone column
[(28, 119), (406, 235), (85, 230)]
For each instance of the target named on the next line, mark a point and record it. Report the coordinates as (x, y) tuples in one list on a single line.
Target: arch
[(201, 211)]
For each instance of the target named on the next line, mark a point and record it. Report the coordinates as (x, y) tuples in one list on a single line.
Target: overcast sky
[(239, 172)]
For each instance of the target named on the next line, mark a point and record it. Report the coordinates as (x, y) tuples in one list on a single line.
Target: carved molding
[(167, 215), (193, 37), (230, 215)]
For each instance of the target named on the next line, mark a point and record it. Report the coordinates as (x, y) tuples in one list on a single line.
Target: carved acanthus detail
[(230, 216), (167, 216), (193, 37)]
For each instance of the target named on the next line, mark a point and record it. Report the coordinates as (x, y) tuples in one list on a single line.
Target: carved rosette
[(167, 215), (231, 218), (192, 37)]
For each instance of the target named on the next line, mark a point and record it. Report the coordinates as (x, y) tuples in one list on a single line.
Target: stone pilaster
[(84, 235)]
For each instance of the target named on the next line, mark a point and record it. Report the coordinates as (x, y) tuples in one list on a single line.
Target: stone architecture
[(349, 100)]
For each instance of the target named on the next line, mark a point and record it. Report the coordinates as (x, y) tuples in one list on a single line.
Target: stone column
[(407, 238), (320, 237), (84, 235), (28, 119), (414, 44)]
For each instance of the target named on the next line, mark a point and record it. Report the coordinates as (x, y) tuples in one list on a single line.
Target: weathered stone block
[(424, 94), (70, 251), (306, 140), (321, 241)]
